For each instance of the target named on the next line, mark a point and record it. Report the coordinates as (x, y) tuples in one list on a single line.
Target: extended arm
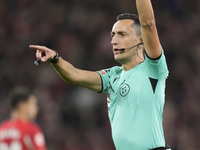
[(149, 31), (68, 72)]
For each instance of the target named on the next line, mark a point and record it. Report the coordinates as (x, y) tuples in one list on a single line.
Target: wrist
[(55, 59)]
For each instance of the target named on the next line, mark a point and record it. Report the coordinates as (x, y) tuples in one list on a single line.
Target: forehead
[(123, 25)]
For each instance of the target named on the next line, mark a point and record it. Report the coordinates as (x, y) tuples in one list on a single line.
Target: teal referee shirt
[(135, 104)]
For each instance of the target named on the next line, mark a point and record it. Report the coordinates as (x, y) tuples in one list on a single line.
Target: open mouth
[(116, 51)]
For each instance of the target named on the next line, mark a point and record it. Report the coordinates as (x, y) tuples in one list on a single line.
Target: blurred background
[(74, 118)]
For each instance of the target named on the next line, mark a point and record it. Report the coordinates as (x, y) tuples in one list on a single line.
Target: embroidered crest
[(124, 90)]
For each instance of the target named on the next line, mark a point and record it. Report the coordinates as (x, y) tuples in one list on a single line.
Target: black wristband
[(55, 59)]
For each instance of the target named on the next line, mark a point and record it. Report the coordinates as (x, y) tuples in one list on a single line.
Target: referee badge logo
[(124, 90)]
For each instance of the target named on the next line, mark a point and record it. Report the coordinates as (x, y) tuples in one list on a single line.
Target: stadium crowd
[(75, 118)]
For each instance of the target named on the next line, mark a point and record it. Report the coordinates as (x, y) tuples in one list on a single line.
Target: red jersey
[(21, 135)]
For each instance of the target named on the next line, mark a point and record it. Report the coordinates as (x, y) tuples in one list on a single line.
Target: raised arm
[(149, 31), (68, 72)]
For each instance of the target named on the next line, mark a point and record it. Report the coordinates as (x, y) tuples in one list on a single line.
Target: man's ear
[(140, 39)]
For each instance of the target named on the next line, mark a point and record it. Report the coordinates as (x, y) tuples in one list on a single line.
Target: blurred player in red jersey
[(19, 132)]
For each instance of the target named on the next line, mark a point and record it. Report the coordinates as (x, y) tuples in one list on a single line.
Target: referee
[(136, 89)]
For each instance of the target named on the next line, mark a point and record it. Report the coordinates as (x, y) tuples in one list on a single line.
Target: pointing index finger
[(36, 47)]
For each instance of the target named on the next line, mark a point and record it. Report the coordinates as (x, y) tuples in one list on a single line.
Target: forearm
[(83, 78), (66, 71), (145, 11)]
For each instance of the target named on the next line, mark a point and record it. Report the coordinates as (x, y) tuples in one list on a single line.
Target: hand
[(43, 52)]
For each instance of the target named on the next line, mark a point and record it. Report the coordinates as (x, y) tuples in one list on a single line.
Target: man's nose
[(114, 40)]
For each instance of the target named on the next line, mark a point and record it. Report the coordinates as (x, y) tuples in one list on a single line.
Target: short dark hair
[(133, 17), (19, 95)]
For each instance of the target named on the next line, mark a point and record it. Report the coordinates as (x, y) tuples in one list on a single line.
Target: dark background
[(75, 118)]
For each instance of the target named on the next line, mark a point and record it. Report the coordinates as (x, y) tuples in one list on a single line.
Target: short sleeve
[(105, 77), (156, 68)]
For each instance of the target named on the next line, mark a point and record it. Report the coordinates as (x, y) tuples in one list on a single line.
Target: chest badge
[(124, 90)]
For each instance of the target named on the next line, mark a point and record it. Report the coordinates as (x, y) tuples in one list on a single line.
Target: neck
[(129, 65), (15, 115), (134, 61)]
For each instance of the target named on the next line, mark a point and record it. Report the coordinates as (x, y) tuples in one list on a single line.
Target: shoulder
[(110, 71), (36, 132), (34, 126), (4, 123), (117, 69)]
